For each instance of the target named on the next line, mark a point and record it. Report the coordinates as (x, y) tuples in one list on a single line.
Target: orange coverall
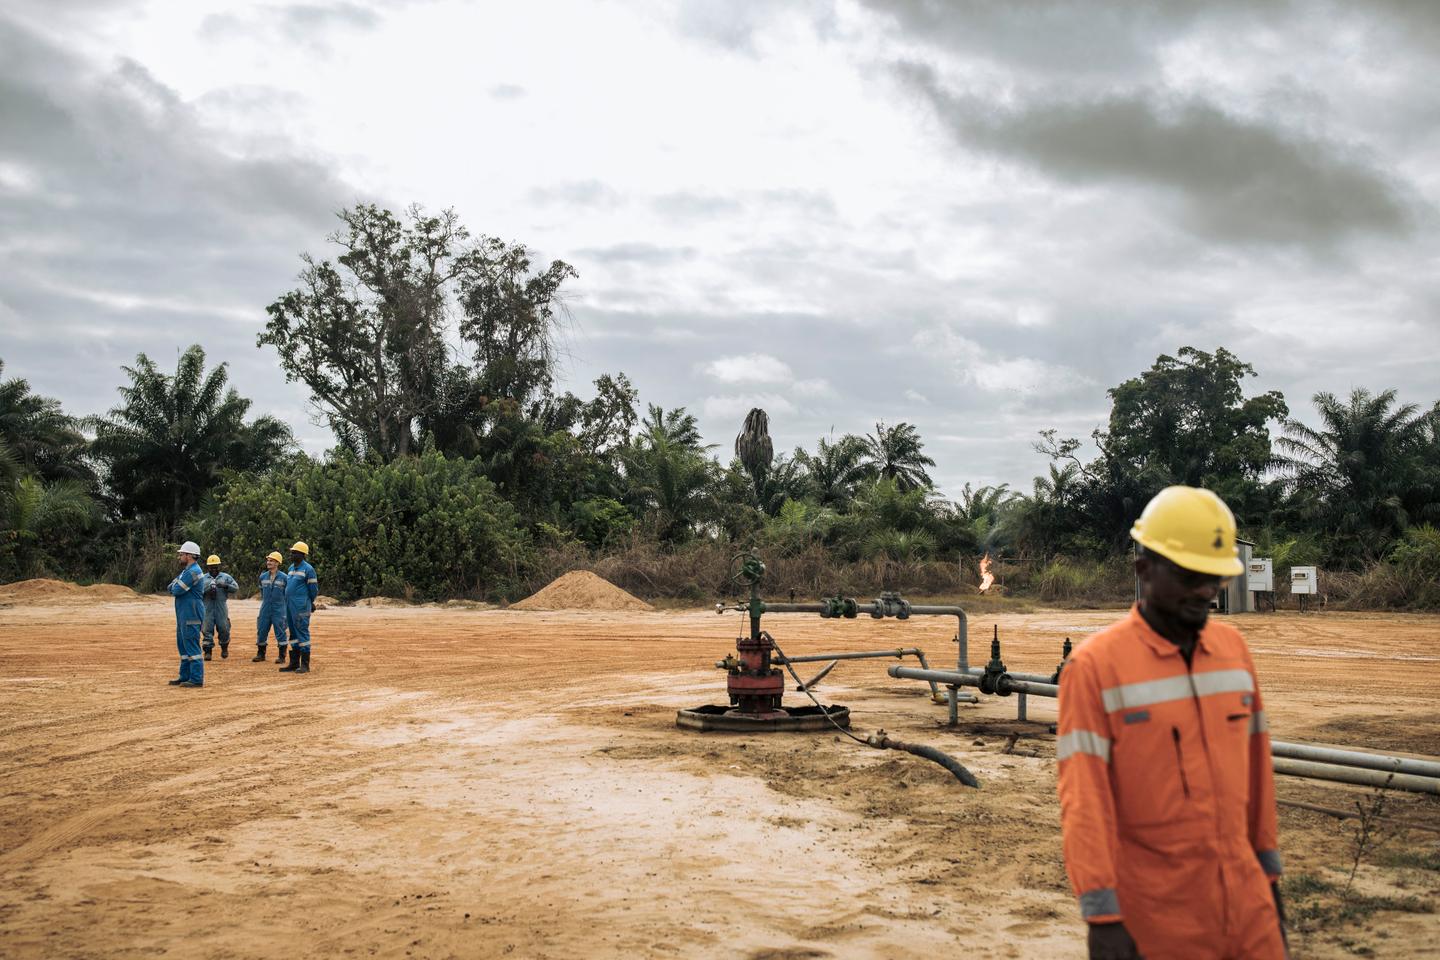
[(1167, 796)]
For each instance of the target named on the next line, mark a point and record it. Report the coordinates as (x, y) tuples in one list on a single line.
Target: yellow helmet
[(213, 560), (275, 555), (1191, 528), (301, 546)]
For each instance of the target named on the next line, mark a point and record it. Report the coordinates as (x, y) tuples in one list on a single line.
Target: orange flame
[(986, 577)]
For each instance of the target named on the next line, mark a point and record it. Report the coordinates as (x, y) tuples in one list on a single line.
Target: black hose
[(944, 759), (879, 740)]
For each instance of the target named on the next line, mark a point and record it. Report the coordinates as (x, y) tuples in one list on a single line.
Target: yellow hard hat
[(274, 555), (212, 560), (301, 546), (1191, 528)]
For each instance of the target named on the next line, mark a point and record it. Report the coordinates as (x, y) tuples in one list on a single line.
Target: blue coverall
[(189, 614), (217, 609), (301, 589), (272, 608)]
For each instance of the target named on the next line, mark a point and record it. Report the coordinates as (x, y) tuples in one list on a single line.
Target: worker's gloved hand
[(1111, 941)]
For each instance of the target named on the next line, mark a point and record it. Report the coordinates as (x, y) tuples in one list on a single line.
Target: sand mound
[(581, 590), (49, 591), (380, 602)]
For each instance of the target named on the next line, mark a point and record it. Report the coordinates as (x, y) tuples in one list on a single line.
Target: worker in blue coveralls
[(218, 588), (301, 589), (272, 607), (189, 614)]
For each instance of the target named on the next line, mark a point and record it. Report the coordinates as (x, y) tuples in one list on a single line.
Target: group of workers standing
[(202, 614)]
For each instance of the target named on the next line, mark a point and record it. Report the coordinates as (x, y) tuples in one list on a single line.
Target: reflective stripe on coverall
[(217, 609), (189, 614), (272, 608), (301, 589), (1167, 796)]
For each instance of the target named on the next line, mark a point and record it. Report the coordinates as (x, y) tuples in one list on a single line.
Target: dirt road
[(483, 784)]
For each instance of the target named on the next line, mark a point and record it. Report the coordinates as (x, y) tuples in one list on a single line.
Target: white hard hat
[(190, 547)]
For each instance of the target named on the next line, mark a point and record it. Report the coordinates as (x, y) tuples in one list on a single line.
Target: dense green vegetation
[(460, 469)]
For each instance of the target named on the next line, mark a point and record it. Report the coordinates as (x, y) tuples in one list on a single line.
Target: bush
[(1409, 579), (426, 528), (1084, 581)]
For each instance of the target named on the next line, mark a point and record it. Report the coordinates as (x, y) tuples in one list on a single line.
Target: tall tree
[(1368, 472), (896, 453), (670, 477), (835, 470), (1187, 420), (171, 437), (510, 319), (39, 436), (368, 336)]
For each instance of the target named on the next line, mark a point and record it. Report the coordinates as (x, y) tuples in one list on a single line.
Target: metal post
[(1020, 706), (954, 706)]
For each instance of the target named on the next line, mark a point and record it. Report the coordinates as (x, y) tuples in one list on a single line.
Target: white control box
[(1304, 580), (1260, 575)]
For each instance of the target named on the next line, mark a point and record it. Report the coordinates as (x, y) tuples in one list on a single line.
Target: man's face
[(214, 569), (1174, 592), (272, 565), (296, 556), (185, 559)]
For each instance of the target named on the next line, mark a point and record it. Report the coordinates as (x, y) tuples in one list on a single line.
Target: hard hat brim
[(1188, 560)]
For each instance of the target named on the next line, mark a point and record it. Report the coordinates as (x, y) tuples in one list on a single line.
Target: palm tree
[(34, 515), (835, 470), (668, 473), (41, 437), (895, 453), (172, 437), (676, 426), (1366, 468)]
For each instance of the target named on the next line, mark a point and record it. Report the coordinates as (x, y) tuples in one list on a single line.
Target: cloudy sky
[(974, 216)]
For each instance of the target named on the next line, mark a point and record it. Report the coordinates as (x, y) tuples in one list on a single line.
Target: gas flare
[(986, 577)]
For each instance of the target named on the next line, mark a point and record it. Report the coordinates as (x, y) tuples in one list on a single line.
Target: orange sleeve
[(1087, 800), (1264, 824)]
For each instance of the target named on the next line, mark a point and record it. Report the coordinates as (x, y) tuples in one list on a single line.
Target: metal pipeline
[(1354, 758), (897, 653), (1356, 775), (1290, 759), (962, 634), (953, 679)]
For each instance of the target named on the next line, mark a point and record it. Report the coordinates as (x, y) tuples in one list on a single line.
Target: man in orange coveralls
[(1167, 797)]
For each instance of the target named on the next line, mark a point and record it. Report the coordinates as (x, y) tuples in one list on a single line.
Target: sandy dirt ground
[(460, 783)]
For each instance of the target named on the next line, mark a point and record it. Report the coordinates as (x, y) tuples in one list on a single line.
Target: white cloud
[(993, 372), (735, 406), (818, 388), (915, 396), (749, 368)]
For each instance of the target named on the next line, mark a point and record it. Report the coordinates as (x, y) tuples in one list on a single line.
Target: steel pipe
[(1031, 677), (824, 672), (896, 653), (1355, 758), (953, 679), (962, 635), (1356, 775)]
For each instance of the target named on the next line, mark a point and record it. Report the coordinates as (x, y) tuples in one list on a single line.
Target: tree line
[(460, 468)]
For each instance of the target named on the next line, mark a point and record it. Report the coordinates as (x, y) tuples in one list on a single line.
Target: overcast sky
[(974, 216)]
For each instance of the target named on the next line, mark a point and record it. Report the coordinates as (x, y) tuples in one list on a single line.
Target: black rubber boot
[(259, 655), (208, 652), (176, 682), (224, 651), (280, 657), (304, 662), (294, 663)]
